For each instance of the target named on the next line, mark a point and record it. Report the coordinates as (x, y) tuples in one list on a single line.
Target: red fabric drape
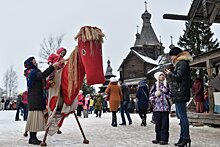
[(91, 55)]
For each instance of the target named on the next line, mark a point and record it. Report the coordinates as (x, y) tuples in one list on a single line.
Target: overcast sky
[(25, 23)]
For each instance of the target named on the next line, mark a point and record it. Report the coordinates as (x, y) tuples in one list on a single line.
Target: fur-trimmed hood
[(182, 56)]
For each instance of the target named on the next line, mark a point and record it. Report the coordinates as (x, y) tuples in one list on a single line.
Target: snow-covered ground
[(100, 133)]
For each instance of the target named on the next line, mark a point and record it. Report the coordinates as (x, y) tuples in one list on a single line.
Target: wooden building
[(143, 56), (209, 61)]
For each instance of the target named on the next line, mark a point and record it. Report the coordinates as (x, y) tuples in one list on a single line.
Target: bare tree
[(10, 80), (49, 46), (6, 82)]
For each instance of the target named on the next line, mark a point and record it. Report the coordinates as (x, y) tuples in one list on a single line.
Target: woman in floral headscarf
[(36, 97)]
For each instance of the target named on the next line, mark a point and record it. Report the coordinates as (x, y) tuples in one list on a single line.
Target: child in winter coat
[(86, 106), (160, 98), (81, 99), (61, 52)]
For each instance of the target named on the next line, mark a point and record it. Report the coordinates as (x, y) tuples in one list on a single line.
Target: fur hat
[(113, 79), (175, 51)]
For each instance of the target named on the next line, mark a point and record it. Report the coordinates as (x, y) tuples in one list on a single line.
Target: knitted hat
[(175, 51), (60, 50), (112, 79), (156, 76)]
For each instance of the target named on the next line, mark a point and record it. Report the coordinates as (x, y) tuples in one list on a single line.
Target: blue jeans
[(206, 104), (184, 123), (124, 109)]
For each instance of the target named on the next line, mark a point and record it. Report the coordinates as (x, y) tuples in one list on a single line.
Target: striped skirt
[(35, 121)]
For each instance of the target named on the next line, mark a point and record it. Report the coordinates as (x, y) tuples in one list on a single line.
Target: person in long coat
[(198, 93), (36, 84), (142, 95), (180, 87), (115, 97)]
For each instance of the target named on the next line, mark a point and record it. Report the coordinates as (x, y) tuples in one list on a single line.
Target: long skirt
[(35, 121)]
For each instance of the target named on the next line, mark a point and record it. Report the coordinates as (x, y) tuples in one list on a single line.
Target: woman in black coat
[(180, 83), (143, 98), (36, 83)]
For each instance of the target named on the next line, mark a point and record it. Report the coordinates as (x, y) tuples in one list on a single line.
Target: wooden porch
[(204, 118)]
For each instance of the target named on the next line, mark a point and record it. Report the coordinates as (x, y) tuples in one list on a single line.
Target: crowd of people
[(116, 98)]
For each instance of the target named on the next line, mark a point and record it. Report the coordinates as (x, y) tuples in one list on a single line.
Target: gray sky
[(25, 23)]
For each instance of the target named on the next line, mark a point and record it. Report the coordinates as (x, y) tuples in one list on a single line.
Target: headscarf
[(28, 63)]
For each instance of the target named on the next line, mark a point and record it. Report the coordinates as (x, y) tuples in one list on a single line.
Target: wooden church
[(146, 54)]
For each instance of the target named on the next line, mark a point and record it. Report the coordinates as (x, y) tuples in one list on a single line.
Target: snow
[(100, 133), (146, 58)]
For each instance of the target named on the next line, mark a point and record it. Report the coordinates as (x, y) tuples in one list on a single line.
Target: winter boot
[(179, 141), (33, 139), (143, 122), (25, 134), (114, 120)]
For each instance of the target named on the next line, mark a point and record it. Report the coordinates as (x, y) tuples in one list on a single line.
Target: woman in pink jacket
[(25, 104)]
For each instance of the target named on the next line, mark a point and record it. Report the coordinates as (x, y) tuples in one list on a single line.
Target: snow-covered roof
[(158, 67), (134, 81), (148, 59), (153, 69)]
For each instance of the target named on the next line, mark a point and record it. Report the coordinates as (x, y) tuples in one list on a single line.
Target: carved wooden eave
[(206, 11), (200, 61)]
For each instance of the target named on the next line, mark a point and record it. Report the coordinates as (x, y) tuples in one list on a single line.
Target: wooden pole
[(85, 140), (43, 143), (209, 65)]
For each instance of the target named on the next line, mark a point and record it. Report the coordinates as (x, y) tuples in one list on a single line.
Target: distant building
[(146, 54), (108, 75)]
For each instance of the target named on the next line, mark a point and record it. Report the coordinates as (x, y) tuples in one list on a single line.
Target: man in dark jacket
[(19, 105), (124, 103), (180, 83)]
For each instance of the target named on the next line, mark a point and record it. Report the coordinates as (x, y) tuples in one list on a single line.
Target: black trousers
[(79, 110), (143, 113), (162, 125), (98, 113), (18, 111)]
